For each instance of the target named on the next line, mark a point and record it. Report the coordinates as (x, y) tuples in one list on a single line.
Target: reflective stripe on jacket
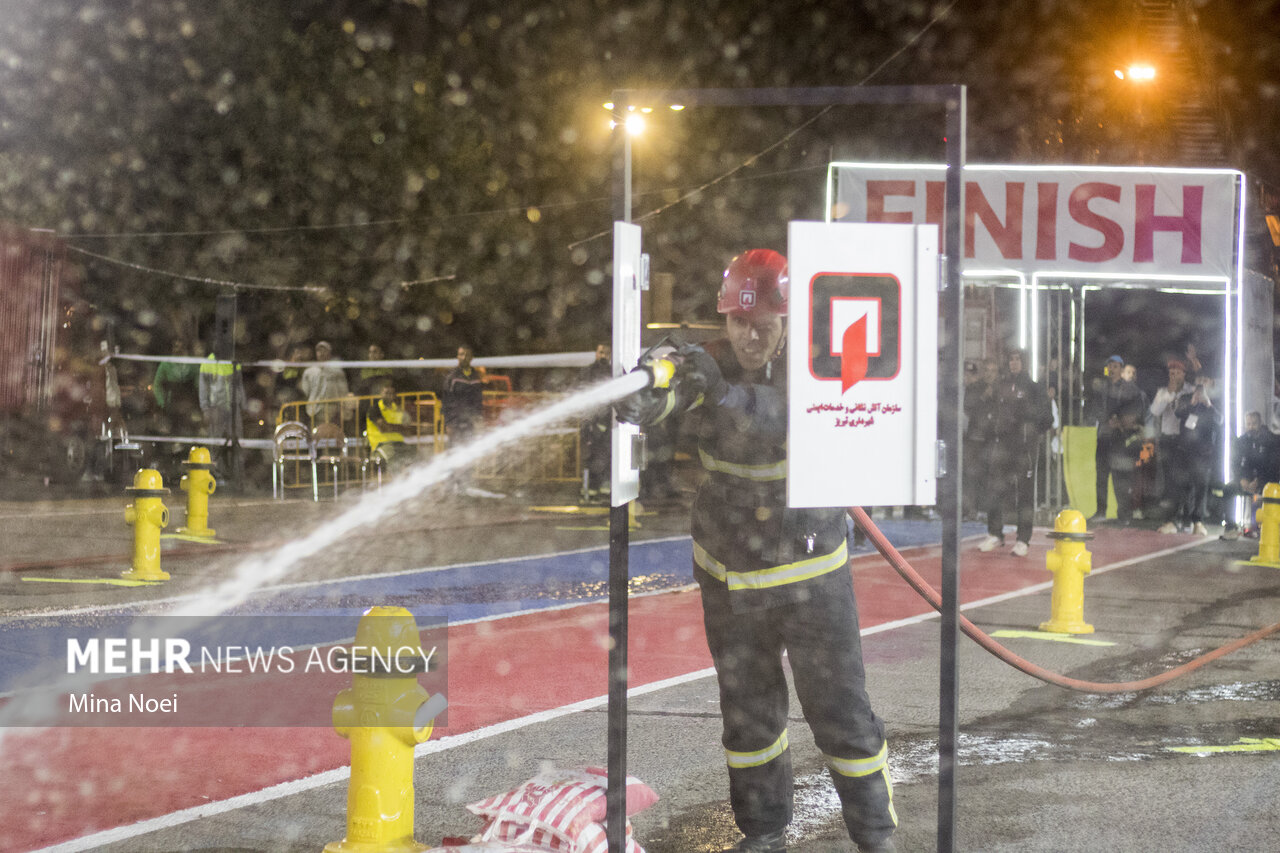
[(747, 542)]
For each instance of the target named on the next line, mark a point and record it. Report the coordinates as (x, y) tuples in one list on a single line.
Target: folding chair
[(329, 444), (292, 444)]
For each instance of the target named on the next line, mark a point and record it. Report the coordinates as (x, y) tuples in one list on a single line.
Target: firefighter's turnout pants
[(822, 643)]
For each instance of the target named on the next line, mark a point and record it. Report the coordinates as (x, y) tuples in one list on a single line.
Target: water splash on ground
[(263, 570), (259, 571)]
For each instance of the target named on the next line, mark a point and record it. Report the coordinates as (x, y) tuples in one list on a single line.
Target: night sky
[(427, 173)]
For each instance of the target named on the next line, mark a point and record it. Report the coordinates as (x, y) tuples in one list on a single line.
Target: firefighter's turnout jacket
[(776, 579), (745, 538)]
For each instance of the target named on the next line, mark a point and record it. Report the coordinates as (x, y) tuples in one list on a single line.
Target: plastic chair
[(292, 444), (329, 443), (377, 462)]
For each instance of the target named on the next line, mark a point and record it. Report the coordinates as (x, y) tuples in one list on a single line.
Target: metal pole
[(225, 350), (951, 391), (619, 536)]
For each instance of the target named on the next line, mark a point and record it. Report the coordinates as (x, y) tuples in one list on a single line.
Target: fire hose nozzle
[(661, 363), (660, 371)]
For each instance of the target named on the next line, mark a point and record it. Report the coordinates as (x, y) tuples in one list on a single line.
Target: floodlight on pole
[(1139, 72), (634, 122)]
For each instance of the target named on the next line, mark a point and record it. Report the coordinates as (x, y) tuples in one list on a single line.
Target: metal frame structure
[(950, 364)]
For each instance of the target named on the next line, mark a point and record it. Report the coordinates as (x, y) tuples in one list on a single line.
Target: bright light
[(1119, 73), (1142, 72), (634, 123), (677, 107)]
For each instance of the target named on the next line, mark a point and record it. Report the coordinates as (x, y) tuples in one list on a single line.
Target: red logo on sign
[(853, 354)]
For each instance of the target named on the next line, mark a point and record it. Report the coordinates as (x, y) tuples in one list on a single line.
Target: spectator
[(176, 388), (369, 379), (1191, 359), (221, 384), (385, 420), (1124, 460), (1170, 470), (1115, 398), (1130, 375), (323, 382), (595, 432), (463, 397), (1196, 445), (1022, 415), (980, 414), (288, 386), (1255, 462)]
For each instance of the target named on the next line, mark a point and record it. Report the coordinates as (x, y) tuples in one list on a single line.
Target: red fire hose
[(929, 594)]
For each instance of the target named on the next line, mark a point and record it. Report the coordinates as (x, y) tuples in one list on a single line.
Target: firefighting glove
[(698, 375), (653, 402), (646, 406)]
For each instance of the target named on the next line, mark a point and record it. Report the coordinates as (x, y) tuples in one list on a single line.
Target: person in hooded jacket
[(1021, 416)]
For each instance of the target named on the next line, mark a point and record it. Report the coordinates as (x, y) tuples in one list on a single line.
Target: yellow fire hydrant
[(1269, 527), (384, 714), (198, 483), (149, 516), (1070, 562)]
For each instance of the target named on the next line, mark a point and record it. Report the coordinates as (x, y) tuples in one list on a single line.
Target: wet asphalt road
[(1041, 768)]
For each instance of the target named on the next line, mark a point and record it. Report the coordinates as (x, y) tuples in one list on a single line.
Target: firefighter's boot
[(774, 842)]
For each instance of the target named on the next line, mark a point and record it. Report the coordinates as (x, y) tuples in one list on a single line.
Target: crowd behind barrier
[(156, 401), (551, 456)]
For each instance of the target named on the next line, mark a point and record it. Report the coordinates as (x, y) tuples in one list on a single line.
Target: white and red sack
[(487, 847), (558, 810)]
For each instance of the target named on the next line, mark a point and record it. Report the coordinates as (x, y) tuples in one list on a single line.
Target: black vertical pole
[(224, 349), (950, 405), (619, 534)]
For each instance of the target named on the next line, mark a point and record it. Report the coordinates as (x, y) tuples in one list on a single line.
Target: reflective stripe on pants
[(825, 654)]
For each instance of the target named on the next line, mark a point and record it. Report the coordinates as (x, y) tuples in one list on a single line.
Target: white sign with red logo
[(862, 364)]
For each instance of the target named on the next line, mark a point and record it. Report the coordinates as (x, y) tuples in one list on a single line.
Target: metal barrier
[(551, 456), (427, 433)]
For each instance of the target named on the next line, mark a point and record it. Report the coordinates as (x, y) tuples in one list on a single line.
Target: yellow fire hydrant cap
[(1070, 525), (391, 630), (198, 458), (147, 483)]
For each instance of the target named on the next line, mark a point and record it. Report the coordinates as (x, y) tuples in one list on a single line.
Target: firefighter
[(772, 579)]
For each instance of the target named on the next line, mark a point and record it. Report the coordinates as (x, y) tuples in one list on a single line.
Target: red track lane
[(59, 784)]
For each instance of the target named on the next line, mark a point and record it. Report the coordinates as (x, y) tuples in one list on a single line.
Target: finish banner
[(1106, 221)]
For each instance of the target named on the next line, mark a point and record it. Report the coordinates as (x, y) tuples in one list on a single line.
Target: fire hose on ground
[(929, 594)]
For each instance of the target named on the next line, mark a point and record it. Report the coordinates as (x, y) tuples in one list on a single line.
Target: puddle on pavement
[(1092, 728), (1084, 728)]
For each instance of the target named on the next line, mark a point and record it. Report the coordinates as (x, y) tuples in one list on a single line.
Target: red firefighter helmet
[(756, 280)]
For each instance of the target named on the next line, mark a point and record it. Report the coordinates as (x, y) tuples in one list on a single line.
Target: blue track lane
[(34, 650)]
